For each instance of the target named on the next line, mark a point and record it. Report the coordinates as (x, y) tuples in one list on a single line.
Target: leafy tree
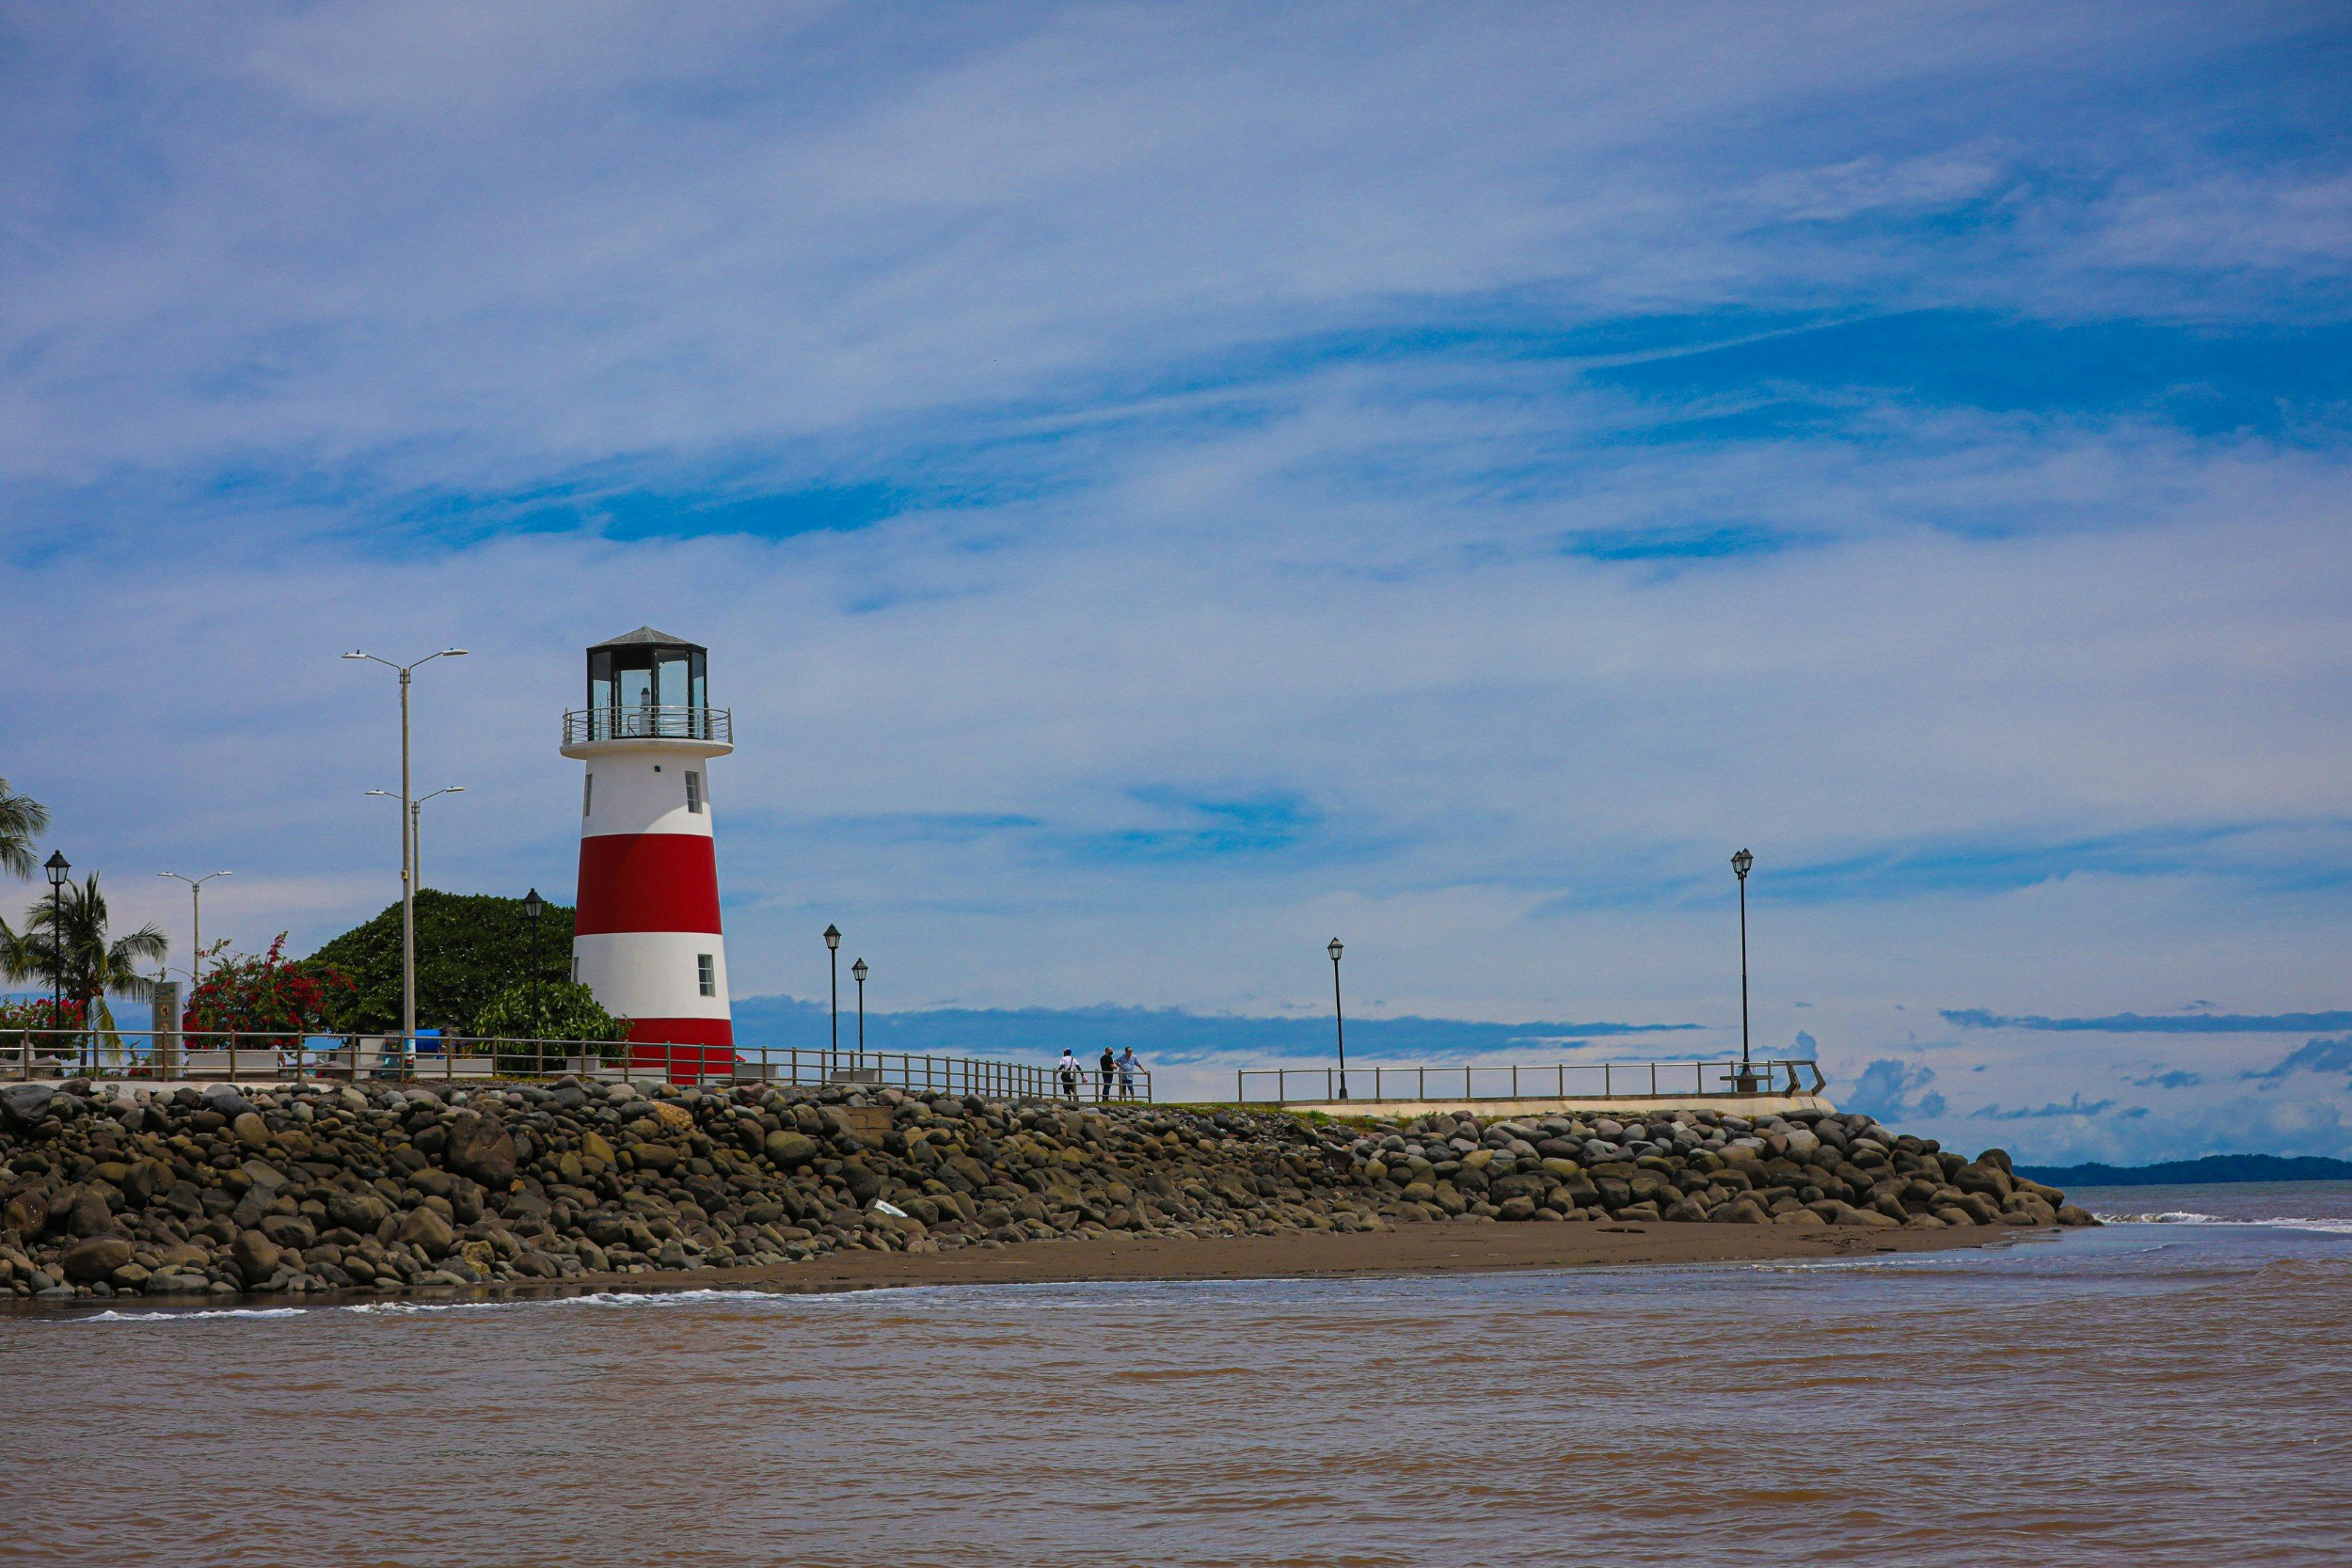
[(22, 820), (562, 1010), (264, 995), (68, 936), (470, 947)]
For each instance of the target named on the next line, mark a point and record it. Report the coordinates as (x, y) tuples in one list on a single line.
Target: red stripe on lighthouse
[(683, 1048), (648, 883)]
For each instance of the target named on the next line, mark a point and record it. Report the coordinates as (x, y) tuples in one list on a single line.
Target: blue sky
[(1164, 485)]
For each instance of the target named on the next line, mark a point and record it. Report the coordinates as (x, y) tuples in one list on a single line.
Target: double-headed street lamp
[(416, 827), (858, 971), (832, 946), (195, 920), (1338, 1019), (407, 824), (59, 868), (1740, 863)]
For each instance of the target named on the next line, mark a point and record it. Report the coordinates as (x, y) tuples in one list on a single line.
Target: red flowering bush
[(22, 1024), (277, 1002)]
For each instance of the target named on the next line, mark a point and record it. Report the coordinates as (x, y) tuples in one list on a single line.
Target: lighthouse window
[(707, 973), (587, 794), (695, 792)]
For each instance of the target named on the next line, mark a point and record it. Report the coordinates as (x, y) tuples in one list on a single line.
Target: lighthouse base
[(686, 1050)]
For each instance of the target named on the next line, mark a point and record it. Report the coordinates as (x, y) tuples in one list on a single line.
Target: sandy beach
[(1443, 1248)]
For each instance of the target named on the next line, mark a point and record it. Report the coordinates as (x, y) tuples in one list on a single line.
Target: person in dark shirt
[(1109, 1065)]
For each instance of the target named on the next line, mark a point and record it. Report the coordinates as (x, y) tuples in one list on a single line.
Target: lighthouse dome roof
[(643, 637)]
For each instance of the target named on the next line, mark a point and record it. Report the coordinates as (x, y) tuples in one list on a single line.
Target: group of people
[(1124, 1066)]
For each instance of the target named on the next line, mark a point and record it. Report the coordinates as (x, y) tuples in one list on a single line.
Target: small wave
[(593, 1298), (111, 1316), (2336, 1226)]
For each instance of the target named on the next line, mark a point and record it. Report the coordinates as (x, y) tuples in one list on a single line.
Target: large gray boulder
[(360, 1212), (791, 1149), (87, 1262), (482, 1149), (426, 1231), (26, 1103), (255, 1255)]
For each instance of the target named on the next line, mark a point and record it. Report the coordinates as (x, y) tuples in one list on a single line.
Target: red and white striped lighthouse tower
[(647, 940)]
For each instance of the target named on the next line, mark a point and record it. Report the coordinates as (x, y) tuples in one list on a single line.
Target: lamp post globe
[(58, 868)]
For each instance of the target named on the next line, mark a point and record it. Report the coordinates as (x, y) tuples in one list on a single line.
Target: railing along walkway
[(1551, 1081), (249, 1055)]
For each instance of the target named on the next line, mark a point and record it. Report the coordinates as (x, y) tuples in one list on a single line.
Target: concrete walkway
[(1620, 1106)]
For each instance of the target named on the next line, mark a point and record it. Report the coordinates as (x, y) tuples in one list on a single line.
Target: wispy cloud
[(2160, 1024), (2177, 1077), (2074, 1106), (2317, 1055)]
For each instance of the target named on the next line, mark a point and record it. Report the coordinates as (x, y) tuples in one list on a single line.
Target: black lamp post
[(1338, 1019), (58, 868), (858, 972), (832, 946), (1740, 863), (532, 907)]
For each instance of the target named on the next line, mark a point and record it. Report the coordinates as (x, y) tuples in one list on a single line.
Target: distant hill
[(2213, 1167)]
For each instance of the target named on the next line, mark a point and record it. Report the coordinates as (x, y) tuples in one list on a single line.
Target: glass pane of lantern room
[(601, 678), (635, 688), (699, 683), (670, 676)]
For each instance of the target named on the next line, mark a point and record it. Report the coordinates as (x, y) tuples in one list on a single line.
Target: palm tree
[(21, 819), (65, 941)]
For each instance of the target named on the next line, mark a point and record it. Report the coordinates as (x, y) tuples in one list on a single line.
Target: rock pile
[(328, 1188)]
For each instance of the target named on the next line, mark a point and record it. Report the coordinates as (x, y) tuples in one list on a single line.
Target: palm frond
[(23, 819)]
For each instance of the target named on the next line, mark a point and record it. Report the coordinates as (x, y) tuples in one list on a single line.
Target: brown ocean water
[(2149, 1393)]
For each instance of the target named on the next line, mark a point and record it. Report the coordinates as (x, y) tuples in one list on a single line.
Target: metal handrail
[(646, 722), (250, 1054), (1549, 1081)]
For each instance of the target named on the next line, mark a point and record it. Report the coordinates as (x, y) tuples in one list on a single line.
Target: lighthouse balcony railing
[(646, 722)]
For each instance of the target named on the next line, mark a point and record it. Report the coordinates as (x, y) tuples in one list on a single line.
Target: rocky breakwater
[(1806, 1168), (326, 1188)]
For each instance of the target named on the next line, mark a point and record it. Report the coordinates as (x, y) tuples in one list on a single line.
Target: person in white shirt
[(1068, 1069)]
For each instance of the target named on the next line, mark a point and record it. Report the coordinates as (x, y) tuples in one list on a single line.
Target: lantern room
[(647, 684)]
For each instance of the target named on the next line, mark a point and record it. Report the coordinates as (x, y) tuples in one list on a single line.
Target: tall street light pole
[(59, 868), (416, 827), (408, 858), (1338, 1019), (1740, 863), (196, 921), (858, 972), (832, 946)]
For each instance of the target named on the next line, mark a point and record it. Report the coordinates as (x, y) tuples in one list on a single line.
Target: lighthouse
[(647, 937)]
